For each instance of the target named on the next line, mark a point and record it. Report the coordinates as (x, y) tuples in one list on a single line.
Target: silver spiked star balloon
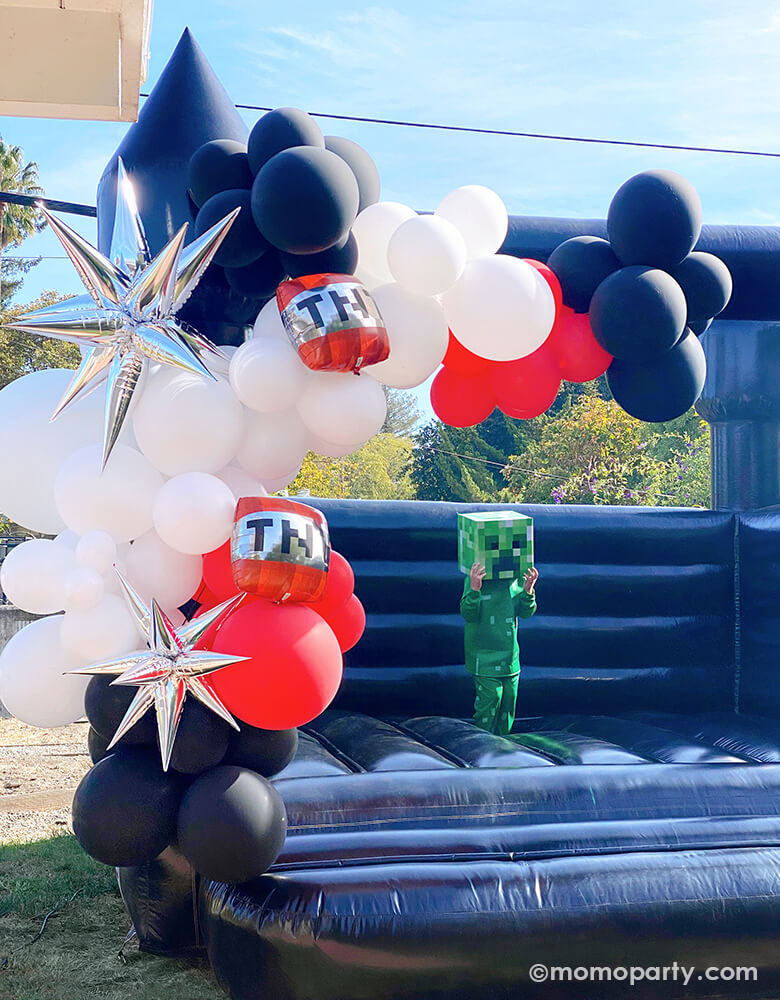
[(129, 317), (169, 670)]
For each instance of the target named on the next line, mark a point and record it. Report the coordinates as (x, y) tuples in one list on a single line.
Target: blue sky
[(700, 72)]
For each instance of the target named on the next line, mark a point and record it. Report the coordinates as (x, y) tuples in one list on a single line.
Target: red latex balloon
[(527, 387), (459, 359), (294, 666), (348, 623), (218, 573), (338, 589), (580, 356), (461, 401), (552, 280)]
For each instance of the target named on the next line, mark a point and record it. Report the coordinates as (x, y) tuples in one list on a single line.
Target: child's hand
[(529, 579), (477, 575)]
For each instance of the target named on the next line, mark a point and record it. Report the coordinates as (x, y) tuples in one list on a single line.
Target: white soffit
[(73, 58)]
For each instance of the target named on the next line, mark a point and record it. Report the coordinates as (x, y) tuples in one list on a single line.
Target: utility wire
[(526, 135)]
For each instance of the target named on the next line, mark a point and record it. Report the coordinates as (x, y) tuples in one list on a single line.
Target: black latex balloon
[(305, 200), (341, 259), (124, 810), (217, 311), (278, 130), (662, 389), (581, 264), (362, 166), (259, 279), (243, 242), (706, 282), (201, 739), (219, 165), (700, 327), (232, 824), (105, 705), (638, 313), (263, 750), (97, 745), (654, 219)]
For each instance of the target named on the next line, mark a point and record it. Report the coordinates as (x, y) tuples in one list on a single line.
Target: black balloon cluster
[(299, 193), (649, 295), (215, 802)]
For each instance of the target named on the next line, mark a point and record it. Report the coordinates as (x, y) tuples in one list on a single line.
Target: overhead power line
[(526, 135)]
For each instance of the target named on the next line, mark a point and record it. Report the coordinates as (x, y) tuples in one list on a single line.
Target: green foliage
[(378, 471), (594, 453), (402, 412), (21, 353), (466, 464)]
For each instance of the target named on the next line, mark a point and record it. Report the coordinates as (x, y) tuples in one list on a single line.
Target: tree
[(466, 464), (378, 471), (21, 353), (593, 452), (17, 222), (402, 411)]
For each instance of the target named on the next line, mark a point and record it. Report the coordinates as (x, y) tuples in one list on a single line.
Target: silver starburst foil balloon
[(129, 317), (169, 670)]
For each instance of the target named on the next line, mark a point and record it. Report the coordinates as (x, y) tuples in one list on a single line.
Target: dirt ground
[(39, 772)]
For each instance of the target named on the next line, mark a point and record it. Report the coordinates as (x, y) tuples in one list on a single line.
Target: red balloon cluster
[(468, 387), (294, 651)]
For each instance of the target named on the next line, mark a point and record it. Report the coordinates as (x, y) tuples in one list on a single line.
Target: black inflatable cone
[(187, 107)]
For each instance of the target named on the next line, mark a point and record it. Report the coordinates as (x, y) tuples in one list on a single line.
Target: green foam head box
[(503, 541)]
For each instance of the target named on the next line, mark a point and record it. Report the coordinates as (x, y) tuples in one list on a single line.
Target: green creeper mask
[(503, 541)]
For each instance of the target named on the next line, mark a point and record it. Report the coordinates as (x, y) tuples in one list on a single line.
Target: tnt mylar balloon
[(333, 321), (280, 549)]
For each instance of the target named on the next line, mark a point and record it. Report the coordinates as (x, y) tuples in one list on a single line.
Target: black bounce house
[(632, 816)]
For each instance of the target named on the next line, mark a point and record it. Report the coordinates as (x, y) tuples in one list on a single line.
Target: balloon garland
[(167, 479)]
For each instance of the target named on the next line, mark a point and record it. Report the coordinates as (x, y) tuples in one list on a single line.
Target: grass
[(76, 957)]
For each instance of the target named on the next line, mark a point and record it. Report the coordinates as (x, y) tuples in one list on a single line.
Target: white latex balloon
[(369, 280), (267, 375), (240, 483), (34, 446), (501, 308), (426, 255), (418, 336), (343, 409), (274, 485), (34, 684), (373, 229), (33, 575), (480, 216), (221, 366), (67, 538), (194, 512), (157, 571), (84, 589), (103, 632), (96, 550), (269, 323), (321, 447), (187, 423), (274, 444), (117, 500)]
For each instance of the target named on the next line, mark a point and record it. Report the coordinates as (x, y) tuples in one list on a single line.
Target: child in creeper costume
[(490, 609)]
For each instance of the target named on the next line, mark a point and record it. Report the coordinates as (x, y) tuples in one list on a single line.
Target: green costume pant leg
[(494, 705)]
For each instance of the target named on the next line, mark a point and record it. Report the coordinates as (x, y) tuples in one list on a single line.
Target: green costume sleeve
[(525, 604), (470, 603)]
